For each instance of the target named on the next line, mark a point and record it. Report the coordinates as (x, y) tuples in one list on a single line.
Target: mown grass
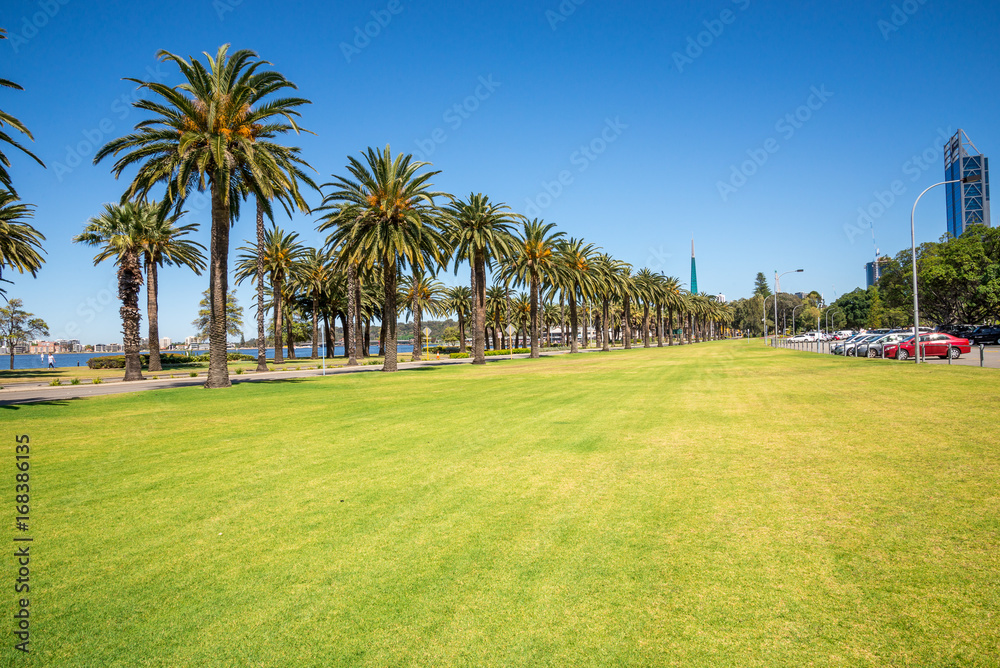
[(720, 504)]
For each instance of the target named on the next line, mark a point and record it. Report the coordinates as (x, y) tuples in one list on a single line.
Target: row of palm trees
[(390, 234)]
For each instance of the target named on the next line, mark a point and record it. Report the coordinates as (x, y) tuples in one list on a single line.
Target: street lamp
[(776, 277), (972, 178), (764, 319), (793, 317)]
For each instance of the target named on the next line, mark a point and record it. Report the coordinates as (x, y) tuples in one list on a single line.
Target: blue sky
[(622, 124)]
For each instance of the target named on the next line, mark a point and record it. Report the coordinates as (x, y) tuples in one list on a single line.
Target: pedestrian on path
[(52, 361)]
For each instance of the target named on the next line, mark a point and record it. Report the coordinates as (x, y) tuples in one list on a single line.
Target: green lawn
[(712, 505)]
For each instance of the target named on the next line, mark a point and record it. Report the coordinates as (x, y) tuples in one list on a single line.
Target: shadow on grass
[(12, 406)]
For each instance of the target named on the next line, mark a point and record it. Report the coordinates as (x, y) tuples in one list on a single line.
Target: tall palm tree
[(577, 280), (458, 300), (480, 231), (20, 243), (496, 306), (7, 119), (312, 276), (645, 292), (670, 295), (119, 232), (422, 295), (384, 214), (607, 289), (164, 243), (281, 253), (213, 132), (533, 261)]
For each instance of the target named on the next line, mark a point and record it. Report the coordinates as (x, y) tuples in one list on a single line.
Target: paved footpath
[(19, 394)]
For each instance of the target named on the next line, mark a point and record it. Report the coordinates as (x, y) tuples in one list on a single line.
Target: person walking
[(52, 361), (42, 356)]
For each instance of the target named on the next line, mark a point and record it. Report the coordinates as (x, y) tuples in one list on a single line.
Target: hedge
[(118, 361), (517, 351), (230, 357), (459, 356)]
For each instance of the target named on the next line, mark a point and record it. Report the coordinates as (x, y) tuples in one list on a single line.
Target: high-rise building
[(694, 271), (966, 203), (873, 271), (165, 343)]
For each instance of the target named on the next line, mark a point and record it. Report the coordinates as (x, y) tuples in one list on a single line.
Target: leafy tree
[(234, 315), (17, 326), (213, 132), (855, 307), (874, 308), (451, 334)]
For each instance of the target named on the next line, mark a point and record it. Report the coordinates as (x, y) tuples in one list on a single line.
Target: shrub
[(373, 363), (193, 374), (75, 381), (118, 361), (239, 372), (459, 356), (97, 381), (230, 357), (444, 350), (54, 382), (517, 351)]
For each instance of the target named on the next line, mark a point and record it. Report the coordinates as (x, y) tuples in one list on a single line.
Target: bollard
[(949, 356), (982, 354)]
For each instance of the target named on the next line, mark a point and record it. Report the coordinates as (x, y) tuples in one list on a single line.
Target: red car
[(935, 344)]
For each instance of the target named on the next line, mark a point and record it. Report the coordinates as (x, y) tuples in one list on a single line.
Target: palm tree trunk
[(152, 312), (261, 331), (290, 335), (535, 354), (670, 327), (586, 326), (315, 350), (351, 329), (218, 289), (360, 346), (129, 283), (276, 290), (389, 313), (606, 326), (479, 308), (659, 325), (344, 327), (645, 326), (461, 331), (627, 322), (574, 347), (418, 336), (366, 344)]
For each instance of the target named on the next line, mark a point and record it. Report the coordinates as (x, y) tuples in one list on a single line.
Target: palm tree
[(422, 295), (458, 300), (164, 243), (384, 215), (213, 133), (534, 260), (496, 306), (281, 253), (645, 283), (607, 288), (119, 231), (20, 243), (577, 280), (672, 300), (7, 119), (480, 231), (312, 275)]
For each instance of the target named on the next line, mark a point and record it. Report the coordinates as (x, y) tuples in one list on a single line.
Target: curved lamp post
[(972, 178), (776, 277)]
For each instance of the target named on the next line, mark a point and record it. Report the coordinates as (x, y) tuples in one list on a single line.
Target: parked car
[(873, 347), (934, 344), (843, 334), (961, 331), (846, 347), (988, 334)]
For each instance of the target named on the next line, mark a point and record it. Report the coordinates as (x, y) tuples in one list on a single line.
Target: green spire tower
[(694, 271)]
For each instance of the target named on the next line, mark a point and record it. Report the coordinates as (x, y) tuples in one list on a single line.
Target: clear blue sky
[(664, 130)]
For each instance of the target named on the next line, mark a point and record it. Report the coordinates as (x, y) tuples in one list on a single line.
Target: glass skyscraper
[(966, 203)]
